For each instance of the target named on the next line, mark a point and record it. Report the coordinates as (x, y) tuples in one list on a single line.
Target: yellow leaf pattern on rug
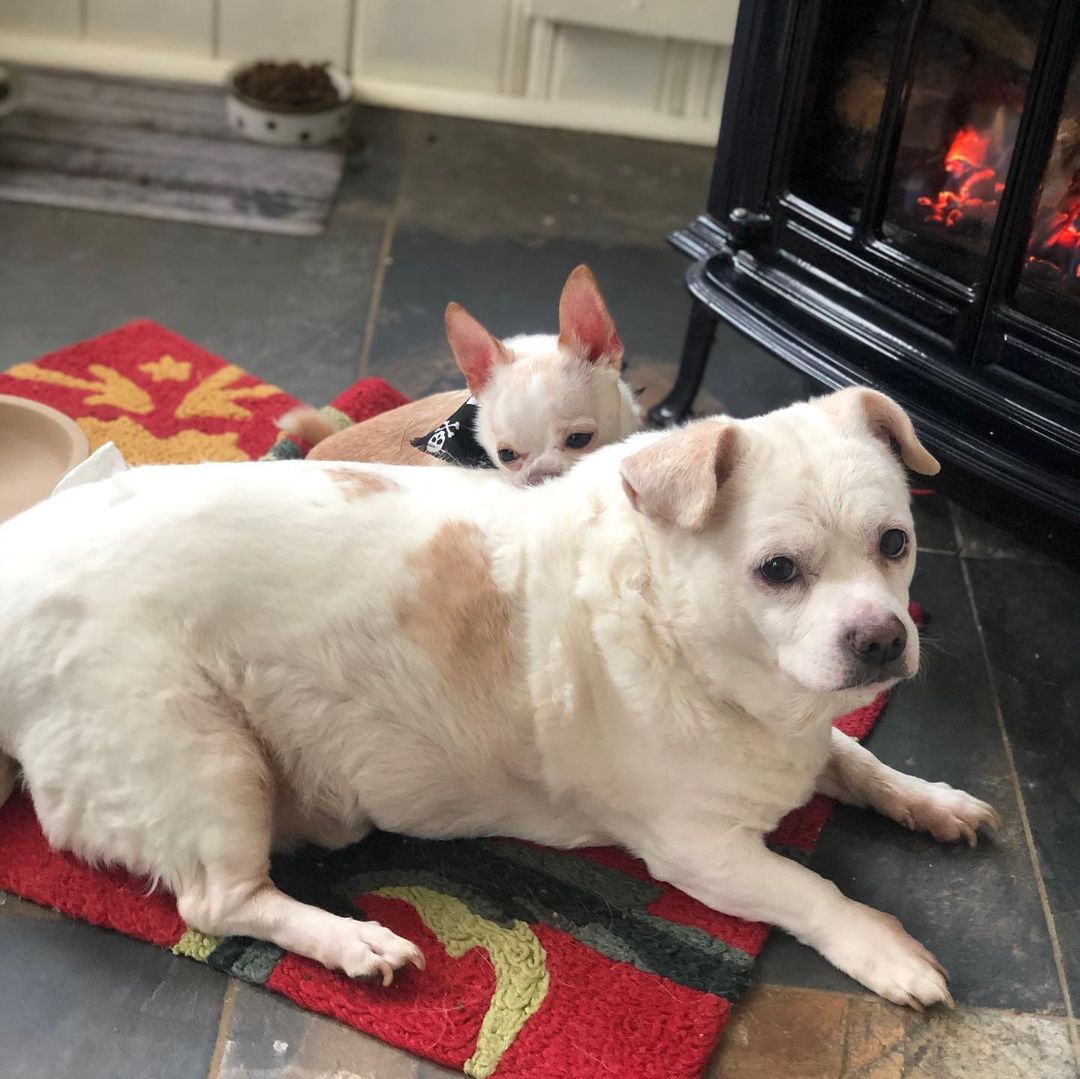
[(519, 959), (216, 396), (167, 369), (140, 447), (196, 945), (110, 387)]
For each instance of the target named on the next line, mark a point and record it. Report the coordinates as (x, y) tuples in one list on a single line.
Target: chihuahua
[(535, 403)]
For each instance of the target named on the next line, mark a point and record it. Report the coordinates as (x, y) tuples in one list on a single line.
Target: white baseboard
[(111, 59), (505, 108), (568, 115)]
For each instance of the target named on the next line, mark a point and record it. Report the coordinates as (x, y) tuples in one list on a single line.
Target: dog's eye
[(779, 569), (578, 440), (507, 455), (893, 542)]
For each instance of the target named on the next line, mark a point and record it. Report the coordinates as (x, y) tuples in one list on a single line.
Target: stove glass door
[(971, 68), (842, 103), (1049, 289)]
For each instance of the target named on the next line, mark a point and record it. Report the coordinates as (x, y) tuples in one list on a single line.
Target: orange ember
[(1067, 235), (1057, 244), (973, 187)]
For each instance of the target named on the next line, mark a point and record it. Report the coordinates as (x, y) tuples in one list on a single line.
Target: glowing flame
[(1066, 235), (1055, 241), (973, 187), (967, 151)]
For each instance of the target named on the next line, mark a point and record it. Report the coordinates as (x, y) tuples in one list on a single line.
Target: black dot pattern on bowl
[(240, 122), (271, 125), (305, 136)]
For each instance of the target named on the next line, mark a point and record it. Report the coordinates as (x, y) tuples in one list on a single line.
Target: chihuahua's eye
[(779, 569), (507, 455), (893, 542), (578, 440)]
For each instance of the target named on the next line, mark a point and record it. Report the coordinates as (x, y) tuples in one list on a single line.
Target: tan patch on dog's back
[(457, 614), (355, 484)]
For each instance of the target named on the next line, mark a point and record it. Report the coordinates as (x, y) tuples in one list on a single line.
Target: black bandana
[(454, 439)]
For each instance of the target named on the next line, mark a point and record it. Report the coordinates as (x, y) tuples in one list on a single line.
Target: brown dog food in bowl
[(38, 447), (287, 86)]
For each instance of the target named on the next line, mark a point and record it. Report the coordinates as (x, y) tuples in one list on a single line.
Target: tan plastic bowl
[(38, 447)]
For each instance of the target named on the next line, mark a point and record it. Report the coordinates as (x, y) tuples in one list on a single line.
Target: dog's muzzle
[(876, 651)]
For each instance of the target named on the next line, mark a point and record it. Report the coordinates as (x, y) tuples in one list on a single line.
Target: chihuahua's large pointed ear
[(475, 349), (885, 420), (585, 326), (676, 479)]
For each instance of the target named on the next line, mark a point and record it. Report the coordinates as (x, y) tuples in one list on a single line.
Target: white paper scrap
[(104, 462)]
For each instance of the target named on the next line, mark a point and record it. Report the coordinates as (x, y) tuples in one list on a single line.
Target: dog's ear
[(475, 349), (585, 326), (885, 420), (676, 479)]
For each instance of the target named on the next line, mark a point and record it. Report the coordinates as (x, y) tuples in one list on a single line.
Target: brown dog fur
[(387, 438), (355, 484), (458, 615)]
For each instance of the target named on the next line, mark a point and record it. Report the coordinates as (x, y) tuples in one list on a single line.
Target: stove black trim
[(766, 261)]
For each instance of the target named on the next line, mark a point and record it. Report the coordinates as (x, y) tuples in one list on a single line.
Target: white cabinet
[(284, 29)]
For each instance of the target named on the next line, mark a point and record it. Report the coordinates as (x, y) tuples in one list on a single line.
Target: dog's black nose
[(879, 643)]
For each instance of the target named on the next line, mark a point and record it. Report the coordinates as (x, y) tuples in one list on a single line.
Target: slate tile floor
[(494, 217)]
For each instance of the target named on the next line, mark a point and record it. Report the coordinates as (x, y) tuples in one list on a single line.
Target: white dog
[(200, 661)]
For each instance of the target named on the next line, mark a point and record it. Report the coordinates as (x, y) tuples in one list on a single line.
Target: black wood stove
[(896, 202)]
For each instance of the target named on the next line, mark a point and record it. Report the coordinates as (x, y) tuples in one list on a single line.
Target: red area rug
[(541, 963)]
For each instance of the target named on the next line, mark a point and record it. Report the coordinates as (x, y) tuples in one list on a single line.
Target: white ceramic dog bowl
[(300, 126), (38, 447)]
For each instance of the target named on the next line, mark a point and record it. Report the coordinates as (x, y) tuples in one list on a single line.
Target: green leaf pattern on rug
[(196, 945), (519, 959)]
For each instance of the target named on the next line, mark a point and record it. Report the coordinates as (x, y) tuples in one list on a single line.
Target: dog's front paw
[(946, 813), (369, 950), (874, 949)]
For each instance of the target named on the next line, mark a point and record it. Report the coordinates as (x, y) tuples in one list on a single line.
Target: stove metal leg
[(695, 355)]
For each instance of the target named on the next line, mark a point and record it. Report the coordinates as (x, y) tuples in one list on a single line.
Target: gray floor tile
[(474, 180), (1030, 615), (745, 378), (977, 910), (980, 538), (14, 907), (269, 1037), (80, 1001), (381, 140), (933, 520)]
